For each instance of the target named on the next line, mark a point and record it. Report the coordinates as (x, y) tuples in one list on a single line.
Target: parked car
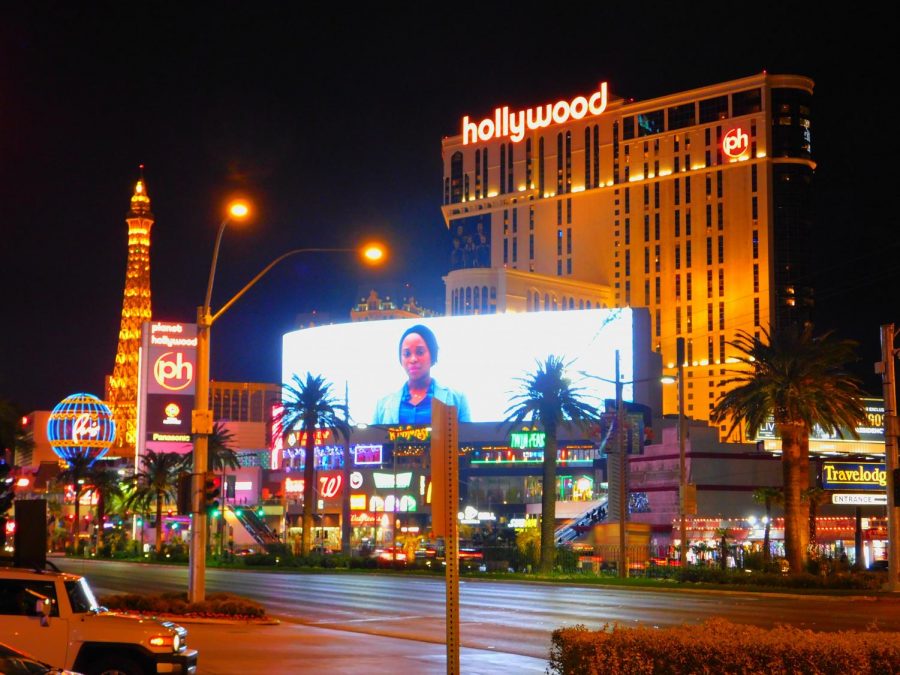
[(14, 662), (55, 617)]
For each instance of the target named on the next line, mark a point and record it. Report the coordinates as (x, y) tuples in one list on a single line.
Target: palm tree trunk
[(76, 524), (548, 504), (159, 523), (767, 552), (309, 475), (795, 473), (101, 511)]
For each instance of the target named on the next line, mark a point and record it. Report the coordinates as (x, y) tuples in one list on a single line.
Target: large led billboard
[(473, 362)]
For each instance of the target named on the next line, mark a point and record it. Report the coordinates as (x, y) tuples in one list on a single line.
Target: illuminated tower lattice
[(122, 388)]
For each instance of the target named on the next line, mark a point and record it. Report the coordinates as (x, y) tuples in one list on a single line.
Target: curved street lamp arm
[(212, 267), (265, 270)]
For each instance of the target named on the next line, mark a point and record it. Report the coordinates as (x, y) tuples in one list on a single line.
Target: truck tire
[(115, 665)]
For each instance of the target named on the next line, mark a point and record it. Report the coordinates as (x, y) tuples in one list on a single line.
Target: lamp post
[(682, 461), (201, 418)]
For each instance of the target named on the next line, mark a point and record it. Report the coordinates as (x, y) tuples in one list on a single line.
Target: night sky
[(332, 124)]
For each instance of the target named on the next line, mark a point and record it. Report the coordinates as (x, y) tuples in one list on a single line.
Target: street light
[(201, 418)]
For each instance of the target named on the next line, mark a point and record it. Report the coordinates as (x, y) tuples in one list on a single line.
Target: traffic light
[(184, 494), (212, 490)]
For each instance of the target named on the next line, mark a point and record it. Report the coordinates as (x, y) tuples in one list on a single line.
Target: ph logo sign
[(173, 371), (736, 143)]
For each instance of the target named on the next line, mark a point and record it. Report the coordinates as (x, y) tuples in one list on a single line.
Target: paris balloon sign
[(81, 425)]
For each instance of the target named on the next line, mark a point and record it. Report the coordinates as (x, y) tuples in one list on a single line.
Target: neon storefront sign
[(173, 371), (514, 124), (389, 481), (367, 454), (329, 486), (392, 504), (736, 143)]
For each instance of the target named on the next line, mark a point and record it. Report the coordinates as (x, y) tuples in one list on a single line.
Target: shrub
[(719, 646), (843, 581), (216, 604)]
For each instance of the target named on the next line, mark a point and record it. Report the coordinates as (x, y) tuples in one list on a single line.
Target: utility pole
[(623, 470), (886, 369)]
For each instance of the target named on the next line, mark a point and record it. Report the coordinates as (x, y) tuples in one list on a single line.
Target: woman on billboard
[(412, 404)]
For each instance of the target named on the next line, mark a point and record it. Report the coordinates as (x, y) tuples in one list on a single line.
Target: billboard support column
[(201, 426), (886, 369), (623, 473), (444, 507)]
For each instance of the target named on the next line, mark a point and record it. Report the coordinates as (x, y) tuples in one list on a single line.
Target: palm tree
[(106, 484), (77, 472), (156, 483), (768, 496), (548, 398), (815, 497), (309, 405), (800, 381)]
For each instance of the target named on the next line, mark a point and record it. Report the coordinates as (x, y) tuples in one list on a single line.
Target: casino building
[(695, 205)]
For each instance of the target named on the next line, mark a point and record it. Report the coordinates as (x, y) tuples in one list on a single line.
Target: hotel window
[(678, 287), (646, 291), (677, 164), (708, 216), (656, 289), (721, 316), (510, 171), (687, 164), (646, 195), (720, 220), (721, 283), (651, 123), (690, 326), (709, 251), (708, 183), (709, 355), (706, 135), (627, 200), (502, 168), (746, 102), (646, 171), (559, 241), (688, 287), (627, 174), (568, 161), (528, 182), (456, 177), (627, 231), (646, 261), (754, 207), (446, 190), (569, 243), (678, 320), (505, 222), (687, 189), (675, 143), (687, 223), (656, 167), (658, 328), (709, 317), (687, 253), (646, 227), (681, 116), (656, 195), (531, 246), (719, 184), (677, 191), (657, 262), (541, 167), (708, 159), (515, 222), (587, 157), (627, 128), (755, 244), (616, 151), (627, 283), (568, 210), (677, 257), (484, 165), (755, 311), (677, 223), (505, 251), (559, 212), (531, 218), (755, 277), (559, 268), (559, 163), (722, 348), (515, 256), (467, 186), (478, 174), (596, 155), (753, 178), (713, 109)]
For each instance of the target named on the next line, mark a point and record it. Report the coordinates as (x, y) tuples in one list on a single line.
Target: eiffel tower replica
[(122, 385)]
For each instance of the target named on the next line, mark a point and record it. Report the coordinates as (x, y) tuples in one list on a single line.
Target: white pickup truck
[(55, 617)]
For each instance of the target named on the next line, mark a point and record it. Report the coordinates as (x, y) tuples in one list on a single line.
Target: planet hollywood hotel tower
[(695, 205)]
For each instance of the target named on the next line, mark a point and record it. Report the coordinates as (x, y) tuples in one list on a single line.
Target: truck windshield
[(81, 597)]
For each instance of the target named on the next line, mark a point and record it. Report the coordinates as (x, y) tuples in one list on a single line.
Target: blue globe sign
[(81, 424)]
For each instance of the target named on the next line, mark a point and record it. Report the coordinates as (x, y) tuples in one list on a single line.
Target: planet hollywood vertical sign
[(167, 372)]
